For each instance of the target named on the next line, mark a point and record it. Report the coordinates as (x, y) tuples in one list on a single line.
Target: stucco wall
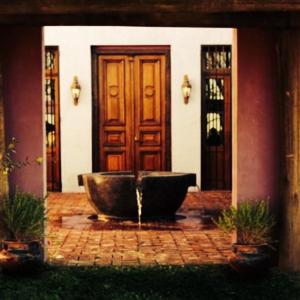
[(257, 140), (21, 50), (75, 59)]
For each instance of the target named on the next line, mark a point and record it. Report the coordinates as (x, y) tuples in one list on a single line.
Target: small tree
[(8, 163), (13, 209)]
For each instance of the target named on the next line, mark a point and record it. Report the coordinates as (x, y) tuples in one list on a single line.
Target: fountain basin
[(114, 193)]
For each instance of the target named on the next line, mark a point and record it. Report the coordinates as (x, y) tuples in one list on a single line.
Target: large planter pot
[(250, 260), (17, 257)]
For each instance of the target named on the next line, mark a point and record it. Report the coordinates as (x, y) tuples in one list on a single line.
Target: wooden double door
[(131, 109)]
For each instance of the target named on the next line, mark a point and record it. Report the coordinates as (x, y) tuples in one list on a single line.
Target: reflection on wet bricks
[(76, 236)]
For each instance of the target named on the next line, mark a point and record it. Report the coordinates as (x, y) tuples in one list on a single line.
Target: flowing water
[(139, 199)]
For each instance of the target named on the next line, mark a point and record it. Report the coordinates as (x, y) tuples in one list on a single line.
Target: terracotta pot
[(19, 257), (250, 260)]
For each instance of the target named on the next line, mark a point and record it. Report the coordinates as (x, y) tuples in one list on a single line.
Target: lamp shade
[(186, 89), (75, 89)]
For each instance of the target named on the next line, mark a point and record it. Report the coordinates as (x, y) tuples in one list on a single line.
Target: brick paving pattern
[(75, 239)]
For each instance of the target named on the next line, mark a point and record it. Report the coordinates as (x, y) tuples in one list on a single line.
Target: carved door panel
[(115, 113), (132, 112), (150, 115)]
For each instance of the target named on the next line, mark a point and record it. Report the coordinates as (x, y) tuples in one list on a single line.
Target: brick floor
[(75, 239)]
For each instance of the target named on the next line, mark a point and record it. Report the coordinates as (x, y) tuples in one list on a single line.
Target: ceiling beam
[(176, 13), (264, 20), (55, 7)]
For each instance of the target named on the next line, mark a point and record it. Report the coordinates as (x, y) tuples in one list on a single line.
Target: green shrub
[(8, 162), (23, 216), (252, 221)]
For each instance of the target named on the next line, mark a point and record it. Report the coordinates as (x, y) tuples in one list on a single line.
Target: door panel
[(150, 138), (114, 92), (150, 161), (114, 112), (148, 89), (115, 161), (132, 112), (150, 121)]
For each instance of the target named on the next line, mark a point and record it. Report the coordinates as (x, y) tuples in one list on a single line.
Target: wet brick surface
[(73, 238)]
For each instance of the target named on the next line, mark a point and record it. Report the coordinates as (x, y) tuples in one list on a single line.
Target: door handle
[(136, 139)]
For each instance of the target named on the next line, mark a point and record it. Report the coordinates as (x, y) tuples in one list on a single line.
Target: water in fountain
[(139, 200)]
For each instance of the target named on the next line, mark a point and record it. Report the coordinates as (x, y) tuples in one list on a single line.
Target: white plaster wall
[(75, 59)]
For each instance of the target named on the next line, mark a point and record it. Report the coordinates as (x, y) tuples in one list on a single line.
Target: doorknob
[(136, 139)]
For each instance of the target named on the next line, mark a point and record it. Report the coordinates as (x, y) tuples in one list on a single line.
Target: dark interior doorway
[(52, 117), (216, 117)]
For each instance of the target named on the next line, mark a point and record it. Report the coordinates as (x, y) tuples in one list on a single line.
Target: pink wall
[(257, 116), (22, 79)]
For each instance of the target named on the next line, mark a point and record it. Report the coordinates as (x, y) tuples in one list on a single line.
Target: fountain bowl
[(113, 194)]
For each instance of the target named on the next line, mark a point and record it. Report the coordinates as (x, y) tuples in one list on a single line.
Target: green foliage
[(252, 221), (9, 163), (149, 283), (23, 216)]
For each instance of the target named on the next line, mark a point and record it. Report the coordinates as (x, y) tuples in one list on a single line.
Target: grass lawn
[(161, 282)]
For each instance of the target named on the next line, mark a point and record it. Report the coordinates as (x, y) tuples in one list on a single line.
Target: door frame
[(127, 50)]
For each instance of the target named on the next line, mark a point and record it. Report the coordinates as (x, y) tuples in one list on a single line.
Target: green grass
[(162, 282)]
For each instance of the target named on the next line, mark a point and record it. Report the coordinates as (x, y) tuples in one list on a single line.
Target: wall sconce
[(75, 89), (186, 89)]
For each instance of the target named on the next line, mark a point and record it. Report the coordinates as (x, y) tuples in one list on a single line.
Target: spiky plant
[(23, 216), (252, 221)]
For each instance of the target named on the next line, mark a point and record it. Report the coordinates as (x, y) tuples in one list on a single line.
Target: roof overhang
[(191, 13)]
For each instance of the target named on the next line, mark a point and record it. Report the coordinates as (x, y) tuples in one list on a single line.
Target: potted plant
[(253, 224), (22, 218)]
